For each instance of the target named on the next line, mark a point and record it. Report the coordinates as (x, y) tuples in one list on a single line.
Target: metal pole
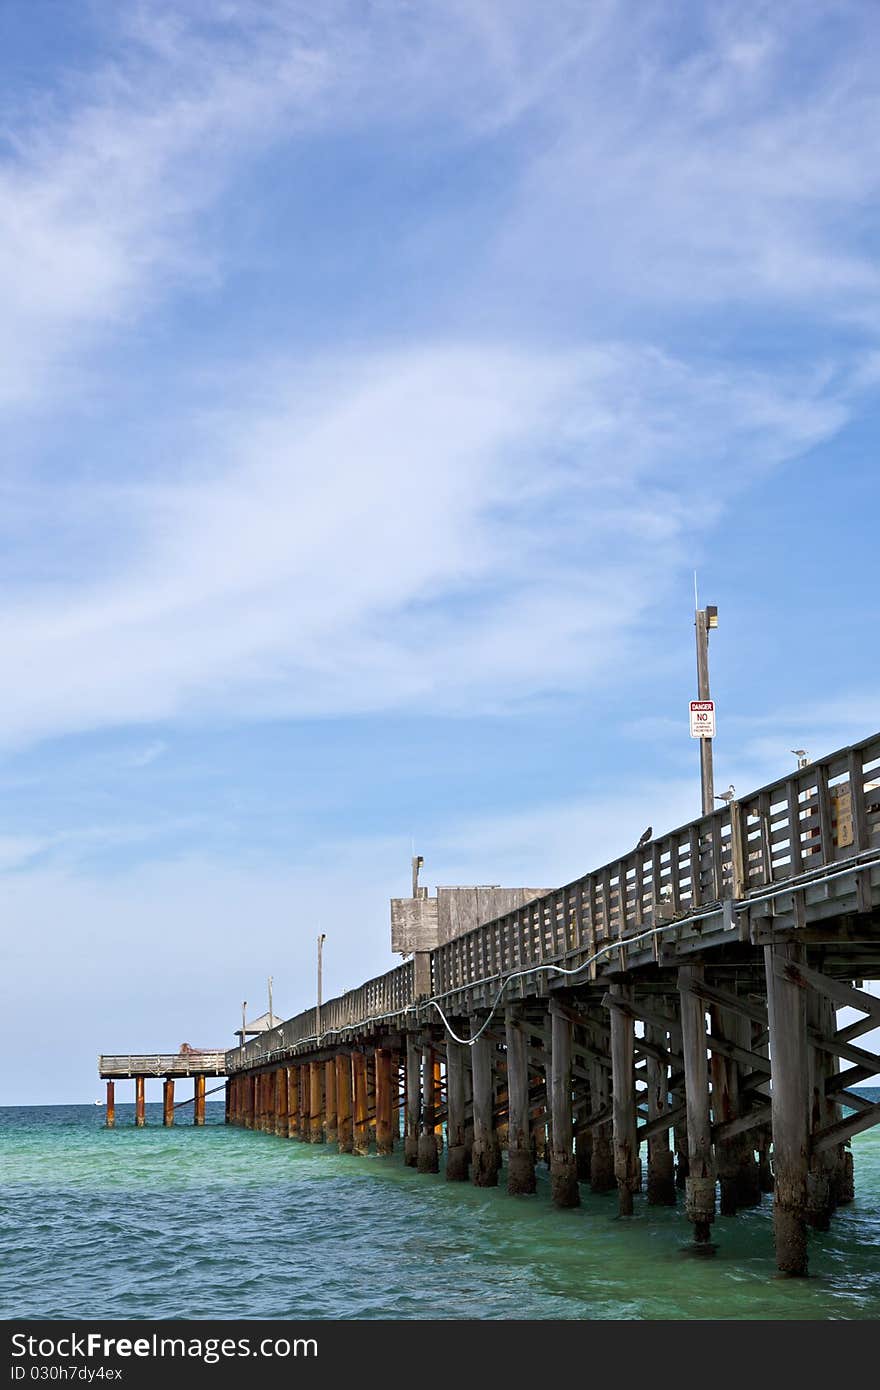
[(321, 939), (243, 1026), (271, 1015), (707, 777)]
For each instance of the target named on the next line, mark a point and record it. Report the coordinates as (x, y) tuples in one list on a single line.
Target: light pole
[(322, 937), (243, 1026), (704, 620)]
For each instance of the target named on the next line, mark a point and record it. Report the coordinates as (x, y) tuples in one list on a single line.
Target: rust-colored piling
[(316, 1103), (331, 1122), (168, 1102), (361, 1132), (140, 1117), (111, 1105), (344, 1125), (281, 1102), (199, 1101), (384, 1137), (292, 1101)]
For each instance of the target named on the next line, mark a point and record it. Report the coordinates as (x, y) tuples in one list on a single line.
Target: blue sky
[(374, 380)]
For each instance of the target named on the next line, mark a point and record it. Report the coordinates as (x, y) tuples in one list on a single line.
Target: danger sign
[(702, 718)]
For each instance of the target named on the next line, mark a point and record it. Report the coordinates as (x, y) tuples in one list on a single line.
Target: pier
[(197, 1064), (666, 1024)]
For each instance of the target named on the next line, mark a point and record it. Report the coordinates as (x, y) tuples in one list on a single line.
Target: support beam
[(361, 1134), (384, 1137), (316, 1102), (168, 1102), (280, 1102), (413, 1101), (627, 1169), (458, 1154), (199, 1100), (563, 1169), (330, 1118), (602, 1154), (428, 1159), (821, 1175), (140, 1117), (292, 1101), (344, 1122), (784, 968), (110, 1118), (486, 1155), (520, 1163), (700, 1181), (661, 1165)]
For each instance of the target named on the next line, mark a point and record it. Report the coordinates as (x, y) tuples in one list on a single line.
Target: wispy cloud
[(393, 530)]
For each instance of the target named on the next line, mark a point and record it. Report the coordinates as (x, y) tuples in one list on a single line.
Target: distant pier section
[(198, 1063)]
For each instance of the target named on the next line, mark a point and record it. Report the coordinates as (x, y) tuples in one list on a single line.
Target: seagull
[(728, 796), (802, 756), (646, 837)]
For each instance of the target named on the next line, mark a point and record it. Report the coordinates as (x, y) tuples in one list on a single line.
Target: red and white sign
[(702, 718)]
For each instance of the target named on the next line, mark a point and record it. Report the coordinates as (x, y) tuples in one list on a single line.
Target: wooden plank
[(700, 1181), (800, 973), (520, 1164), (563, 1172), (786, 1004), (844, 1129)]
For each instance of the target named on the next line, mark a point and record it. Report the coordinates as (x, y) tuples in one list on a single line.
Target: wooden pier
[(168, 1067), (666, 1024)]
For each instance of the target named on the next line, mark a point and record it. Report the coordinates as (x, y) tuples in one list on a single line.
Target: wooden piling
[(700, 1181), (316, 1102), (384, 1137), (520, 1162), (725, 1107), (563, 1169), (168, 1102), (281, 1102), (292, 1100), (370, 1062), (661, 1163), (140, 1117), (331, 1122), (786, 1007), (602, 1177), (361, 1129), (485, 1155), (199, 1100), (627, 1169), (428, 1160), (110, 1117), (457, 1156), (822, 1174), (413, 1101), (344, 1126)]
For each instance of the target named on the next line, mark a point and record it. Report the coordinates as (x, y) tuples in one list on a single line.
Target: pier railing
[(822, 814), (162, 1064)]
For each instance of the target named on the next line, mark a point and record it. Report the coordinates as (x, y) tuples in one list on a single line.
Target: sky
[(375, 377)]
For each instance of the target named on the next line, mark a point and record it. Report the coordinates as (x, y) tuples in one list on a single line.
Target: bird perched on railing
[(728, 796), (645, 837), (802, 756)]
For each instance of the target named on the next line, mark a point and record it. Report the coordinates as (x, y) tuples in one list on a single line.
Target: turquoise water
[(220, 1222)]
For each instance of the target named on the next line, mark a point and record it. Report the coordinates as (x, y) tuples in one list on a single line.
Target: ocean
[(225, 1223)]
